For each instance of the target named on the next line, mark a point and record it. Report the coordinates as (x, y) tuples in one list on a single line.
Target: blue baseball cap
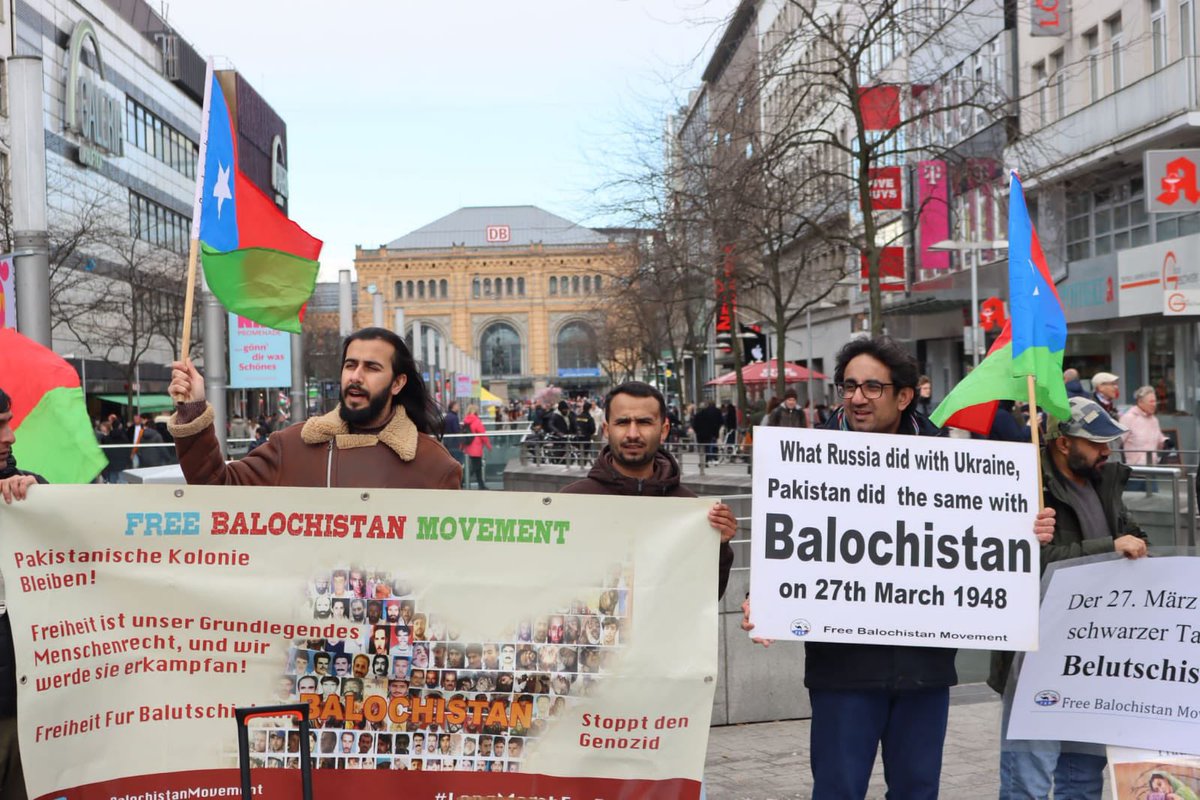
[(1090, 421)]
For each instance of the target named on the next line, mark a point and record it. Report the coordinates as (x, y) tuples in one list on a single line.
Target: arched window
[(409, 286), (597, 283), (445, 288), (587, 284), (564, 283), (500, 347), (487, 287), (508, 286), (399, 290), (521, 286), (553, 285), (499, 287), (575, 284), (475, 288), (576, 350), (421, 289)]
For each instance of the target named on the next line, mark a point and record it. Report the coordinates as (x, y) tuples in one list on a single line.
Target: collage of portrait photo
[(546, 663)]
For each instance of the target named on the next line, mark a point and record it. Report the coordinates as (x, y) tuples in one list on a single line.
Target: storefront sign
[(1171, 180), (498, 234), (92, 114), (1090, 289), (879, 106), (933, 212), (726, 294), (1181, 287), (886, 188), (279, 178), (1049, 18), (1146, 273), (890, 539), (407, 621), (259, 357), (578, 372), (462, 385), (891, 270), (1119, 661)]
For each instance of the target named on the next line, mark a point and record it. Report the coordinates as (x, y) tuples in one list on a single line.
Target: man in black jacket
[(14, 484), (632, 463), (865, 695)]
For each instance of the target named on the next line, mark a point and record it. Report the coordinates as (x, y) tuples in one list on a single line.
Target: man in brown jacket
[(632, 463), (380, 436)]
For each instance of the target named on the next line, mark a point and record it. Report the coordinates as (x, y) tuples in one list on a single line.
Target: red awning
[(765, 372)]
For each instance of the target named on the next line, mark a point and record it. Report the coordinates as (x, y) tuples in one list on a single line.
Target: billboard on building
[(933, 212), (887, 192), (1049, 18), (259, 357), (726, 292), (891, 270)]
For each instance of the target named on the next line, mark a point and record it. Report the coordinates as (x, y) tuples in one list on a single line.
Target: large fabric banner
[(514, 644), (1119, 661), (915, 540)]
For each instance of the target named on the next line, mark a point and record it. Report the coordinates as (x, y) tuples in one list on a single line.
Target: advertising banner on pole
[(8, 296), (891, 539), (447, 643), (259, 357), (1119, 661)]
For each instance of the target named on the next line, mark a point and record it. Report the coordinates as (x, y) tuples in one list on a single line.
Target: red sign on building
[(726, 293), (498, 234), (891, 270), (887, 192), (880, 106)]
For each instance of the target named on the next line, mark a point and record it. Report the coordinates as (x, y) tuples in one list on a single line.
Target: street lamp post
[(965, 246)]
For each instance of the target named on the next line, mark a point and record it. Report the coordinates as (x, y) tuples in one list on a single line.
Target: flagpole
[(189, 294), (1035, 435)]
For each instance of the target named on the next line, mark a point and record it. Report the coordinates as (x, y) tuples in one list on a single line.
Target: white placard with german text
[(892, 539), (1119, 661)]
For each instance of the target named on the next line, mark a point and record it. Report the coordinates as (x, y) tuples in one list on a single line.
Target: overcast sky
[(400, 112)]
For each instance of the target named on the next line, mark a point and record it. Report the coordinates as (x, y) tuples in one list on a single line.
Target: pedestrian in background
[(474, 449), (787, 414)]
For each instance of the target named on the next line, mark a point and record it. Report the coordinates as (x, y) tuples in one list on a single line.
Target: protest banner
[(873, 538), (1153, 774), (448, 643), (1119, 661)]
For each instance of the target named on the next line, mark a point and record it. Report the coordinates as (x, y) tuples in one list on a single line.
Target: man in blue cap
[(1085, 490)]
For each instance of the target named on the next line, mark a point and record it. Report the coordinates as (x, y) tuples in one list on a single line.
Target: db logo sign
[(498, 234), (800, 627), (1047, 698)]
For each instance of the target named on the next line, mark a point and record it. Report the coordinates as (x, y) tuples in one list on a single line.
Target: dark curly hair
[(900, 363)]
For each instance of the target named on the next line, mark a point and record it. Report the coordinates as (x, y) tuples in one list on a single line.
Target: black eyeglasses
[(872, 390)]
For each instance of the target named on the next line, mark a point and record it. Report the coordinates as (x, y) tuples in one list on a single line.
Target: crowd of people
[(385, 434)]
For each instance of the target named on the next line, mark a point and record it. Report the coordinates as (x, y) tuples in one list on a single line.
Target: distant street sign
[(1171, 180)]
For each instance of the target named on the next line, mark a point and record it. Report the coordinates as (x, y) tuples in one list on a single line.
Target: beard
[(1078, 463), (646, 457), (360, 416)]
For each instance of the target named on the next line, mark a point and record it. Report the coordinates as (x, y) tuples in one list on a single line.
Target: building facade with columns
[(516, 289)]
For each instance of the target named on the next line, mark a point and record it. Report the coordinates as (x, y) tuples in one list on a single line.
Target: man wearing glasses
[(865, 695)]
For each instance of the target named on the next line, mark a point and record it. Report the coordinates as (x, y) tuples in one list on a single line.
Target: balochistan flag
[(257, 262), (1032, 343), (50, 420)]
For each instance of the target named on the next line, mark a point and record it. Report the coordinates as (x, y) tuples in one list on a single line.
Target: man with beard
[(1085, 490), (381, 435), (632, 463)]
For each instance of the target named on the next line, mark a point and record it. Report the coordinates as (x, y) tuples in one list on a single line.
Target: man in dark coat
[(633, 464), (14, 484), (1086, 492), (707, 425), (787, 414), (144, 435), (864, 695), (451, 425)]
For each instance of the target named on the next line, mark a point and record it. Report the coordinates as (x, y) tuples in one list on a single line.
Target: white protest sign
[(867, 537), (1119, 661)]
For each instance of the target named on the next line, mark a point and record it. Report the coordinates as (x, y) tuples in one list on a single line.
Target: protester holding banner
[(13, 485), (864, 695), (1085, 491), (633, 464), (380, 435)]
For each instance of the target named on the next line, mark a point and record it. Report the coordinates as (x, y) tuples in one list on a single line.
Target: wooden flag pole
[(189, 297), (1035, 435)]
